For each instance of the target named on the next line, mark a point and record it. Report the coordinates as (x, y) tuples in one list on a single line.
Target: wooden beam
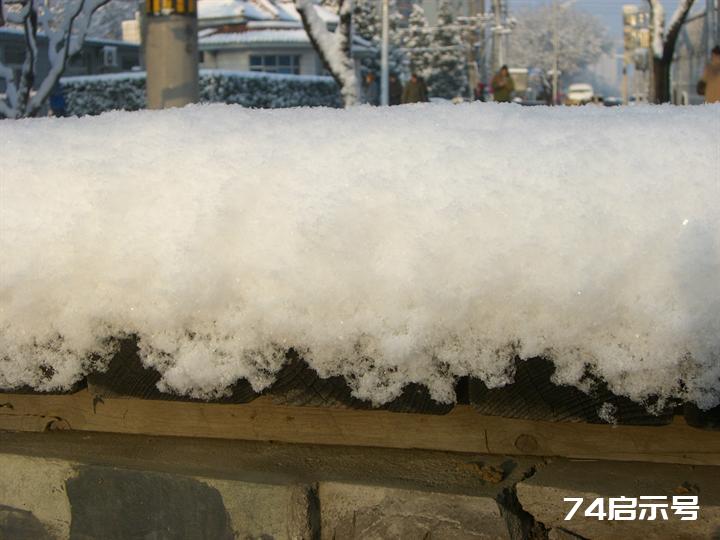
[(462, 430)]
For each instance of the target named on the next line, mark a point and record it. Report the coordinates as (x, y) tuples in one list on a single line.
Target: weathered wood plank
[(461, 430)]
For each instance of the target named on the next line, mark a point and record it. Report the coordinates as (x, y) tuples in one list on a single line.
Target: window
[(14, 55), (128, 62), (110, 56), (282, 63), (76, 60)]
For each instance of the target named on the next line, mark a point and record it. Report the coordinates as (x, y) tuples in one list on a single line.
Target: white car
[(579, 94)]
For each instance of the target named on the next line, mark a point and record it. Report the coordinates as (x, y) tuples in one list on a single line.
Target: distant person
[(423, 85), (58, 106), (709, 83), (480, 91), (503, 85), (545, 95), (396, 90), (415, 90), (371, 90)]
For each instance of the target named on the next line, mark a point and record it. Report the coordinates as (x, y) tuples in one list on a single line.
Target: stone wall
[(154, 496)]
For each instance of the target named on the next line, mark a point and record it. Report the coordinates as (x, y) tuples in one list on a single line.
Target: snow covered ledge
[(412, 244)]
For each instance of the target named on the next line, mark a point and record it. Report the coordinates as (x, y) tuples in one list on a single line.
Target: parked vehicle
[(579, 94)]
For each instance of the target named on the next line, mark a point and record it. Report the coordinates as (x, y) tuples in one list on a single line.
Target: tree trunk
[(663, 62), (334, 48), (661, 80)]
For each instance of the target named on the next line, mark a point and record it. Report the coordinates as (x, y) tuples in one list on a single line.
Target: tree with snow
[(417, 41), (396, 58), (448, 73), (663, 44), (367, 24), (107, 21), (65, 31), (366, 21), (581, 36), (333, 47)]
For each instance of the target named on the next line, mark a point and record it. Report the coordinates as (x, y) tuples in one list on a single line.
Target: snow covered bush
[(267, 90), (126, 91), (387, 245), (96, 94)]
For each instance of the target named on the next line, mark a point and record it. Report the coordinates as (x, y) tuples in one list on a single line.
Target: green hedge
[(95, 94)]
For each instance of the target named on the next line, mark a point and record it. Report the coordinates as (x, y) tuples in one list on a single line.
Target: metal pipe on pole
[(556, 52), (498, 59), (171, 53), (482, 58), (384, 60)]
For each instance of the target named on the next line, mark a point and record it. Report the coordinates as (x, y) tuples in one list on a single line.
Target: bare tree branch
[(64, 39), (27, 75), (63, 45)]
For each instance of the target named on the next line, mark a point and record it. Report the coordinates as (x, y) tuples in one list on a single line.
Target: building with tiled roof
[(259, 35)]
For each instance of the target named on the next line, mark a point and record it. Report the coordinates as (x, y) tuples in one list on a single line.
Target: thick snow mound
[(410, 244)]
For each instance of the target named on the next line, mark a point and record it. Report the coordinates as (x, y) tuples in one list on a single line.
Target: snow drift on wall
[(410, 244)]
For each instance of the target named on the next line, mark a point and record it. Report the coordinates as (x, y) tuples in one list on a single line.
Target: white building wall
[(232, 60), (239, 59), (310, 64)]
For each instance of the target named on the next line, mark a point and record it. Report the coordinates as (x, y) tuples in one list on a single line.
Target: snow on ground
[(416, 243)]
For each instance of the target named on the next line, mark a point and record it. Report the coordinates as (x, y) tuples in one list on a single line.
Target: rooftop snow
[(258, 36), (217, 9), (88, 40), (414, 243), (81, 79), (257, 10)]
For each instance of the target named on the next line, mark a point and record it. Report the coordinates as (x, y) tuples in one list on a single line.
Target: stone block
[(33, 500), (542, 496), (48, 499), (381, 513)]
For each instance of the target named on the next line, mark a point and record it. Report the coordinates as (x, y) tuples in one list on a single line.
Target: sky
[(608, 11)]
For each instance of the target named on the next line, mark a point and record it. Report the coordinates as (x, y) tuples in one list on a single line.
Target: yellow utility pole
[(171, 53)]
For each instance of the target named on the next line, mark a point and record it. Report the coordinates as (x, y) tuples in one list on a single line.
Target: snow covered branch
[(664, 42), (333, 47), (676, 22), (657, 23), (65, 34)]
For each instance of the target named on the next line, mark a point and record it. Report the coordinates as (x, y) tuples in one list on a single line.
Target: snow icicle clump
[(386, 245)]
